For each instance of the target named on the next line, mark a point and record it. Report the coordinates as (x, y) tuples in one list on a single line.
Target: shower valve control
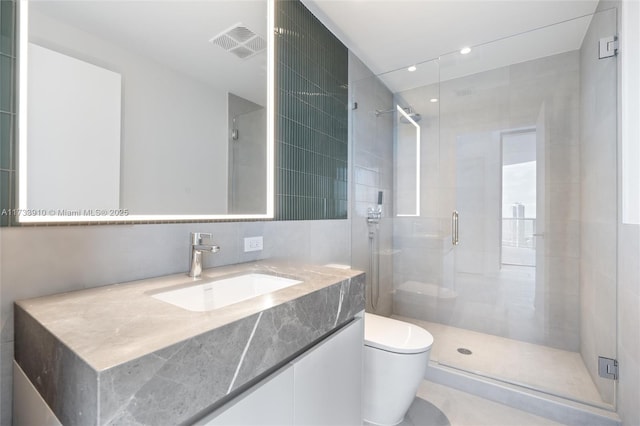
[(374, 214)]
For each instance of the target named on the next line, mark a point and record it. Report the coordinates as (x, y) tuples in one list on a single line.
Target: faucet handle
[(197, 237)]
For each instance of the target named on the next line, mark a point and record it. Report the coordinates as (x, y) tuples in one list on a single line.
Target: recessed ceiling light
[(412, 68), (465, 50), (433, 100)]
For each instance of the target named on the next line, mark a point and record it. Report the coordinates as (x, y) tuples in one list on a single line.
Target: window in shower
[(518, 242)]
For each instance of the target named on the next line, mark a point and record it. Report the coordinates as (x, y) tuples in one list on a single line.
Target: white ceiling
[(390, 35), (386, 34)]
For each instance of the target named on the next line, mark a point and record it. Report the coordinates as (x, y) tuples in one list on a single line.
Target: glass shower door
[(521, 143), (423, 279)]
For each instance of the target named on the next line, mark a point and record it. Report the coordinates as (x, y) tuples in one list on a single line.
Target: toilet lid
[(395, 336)]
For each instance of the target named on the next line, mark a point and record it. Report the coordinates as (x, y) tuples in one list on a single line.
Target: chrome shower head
[(409, 111), (413, 115)]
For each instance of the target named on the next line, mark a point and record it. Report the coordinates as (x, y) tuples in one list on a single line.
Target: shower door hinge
[(608, 47), (608, 368)]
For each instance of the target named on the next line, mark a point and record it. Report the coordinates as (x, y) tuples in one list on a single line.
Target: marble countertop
[(110, 325)]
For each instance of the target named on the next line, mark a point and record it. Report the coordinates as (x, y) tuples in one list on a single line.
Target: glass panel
[(520, 142)]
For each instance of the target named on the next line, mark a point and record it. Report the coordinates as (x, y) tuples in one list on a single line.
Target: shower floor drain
[(464, 351)]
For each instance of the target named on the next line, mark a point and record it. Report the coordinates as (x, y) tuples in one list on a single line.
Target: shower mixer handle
[(374, 214)]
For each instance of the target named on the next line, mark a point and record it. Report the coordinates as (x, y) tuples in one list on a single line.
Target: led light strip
[(417, 126), (23, 35)]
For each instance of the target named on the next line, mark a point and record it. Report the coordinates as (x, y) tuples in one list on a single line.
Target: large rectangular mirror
[(145, 110)]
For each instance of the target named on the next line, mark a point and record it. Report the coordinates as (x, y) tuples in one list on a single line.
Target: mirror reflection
[(145, 108)]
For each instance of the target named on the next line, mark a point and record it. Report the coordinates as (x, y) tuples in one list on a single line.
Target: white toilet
[(396, 355)]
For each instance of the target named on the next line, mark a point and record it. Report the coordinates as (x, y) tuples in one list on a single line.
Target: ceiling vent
[(240, 41)]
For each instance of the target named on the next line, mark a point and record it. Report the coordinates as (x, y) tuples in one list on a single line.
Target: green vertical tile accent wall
[(7, 106), (311, 117)]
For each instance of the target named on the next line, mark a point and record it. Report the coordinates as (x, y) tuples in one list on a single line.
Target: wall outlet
[(252, 244)]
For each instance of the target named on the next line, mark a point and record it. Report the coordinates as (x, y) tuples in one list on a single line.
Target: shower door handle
[(455, 216)]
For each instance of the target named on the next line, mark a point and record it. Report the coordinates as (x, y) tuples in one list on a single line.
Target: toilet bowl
[(396, 355)]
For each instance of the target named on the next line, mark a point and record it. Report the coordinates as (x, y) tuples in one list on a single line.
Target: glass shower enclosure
[(505, 204)]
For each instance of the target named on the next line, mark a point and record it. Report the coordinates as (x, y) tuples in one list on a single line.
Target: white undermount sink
[(216, 294)]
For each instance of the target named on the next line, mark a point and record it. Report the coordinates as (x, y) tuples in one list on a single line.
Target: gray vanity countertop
[(108, 326)]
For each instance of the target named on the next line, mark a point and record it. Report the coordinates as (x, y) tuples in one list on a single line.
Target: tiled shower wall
[(312, 119), (372, 171)]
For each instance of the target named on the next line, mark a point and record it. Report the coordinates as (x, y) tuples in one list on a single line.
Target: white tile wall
[(628, 319), (372, 171), (628, 391)]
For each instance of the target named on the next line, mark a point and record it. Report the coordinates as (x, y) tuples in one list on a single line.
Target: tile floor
[(444, 406), (438, 405), (543, 368)]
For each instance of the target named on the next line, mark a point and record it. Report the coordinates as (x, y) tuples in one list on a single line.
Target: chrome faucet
[(197, 247)]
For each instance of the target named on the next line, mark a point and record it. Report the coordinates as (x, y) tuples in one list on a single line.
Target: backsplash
[(311, 117), (7, 106)]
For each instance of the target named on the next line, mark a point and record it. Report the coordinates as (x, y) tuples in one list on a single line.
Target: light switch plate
[(252, 244)]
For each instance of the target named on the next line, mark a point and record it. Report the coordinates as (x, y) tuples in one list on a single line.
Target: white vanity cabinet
[(328, 380), (323, 386), (111, 367), (270, 402)]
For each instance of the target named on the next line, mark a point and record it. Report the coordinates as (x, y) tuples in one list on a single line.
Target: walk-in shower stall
[(498, 232)]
